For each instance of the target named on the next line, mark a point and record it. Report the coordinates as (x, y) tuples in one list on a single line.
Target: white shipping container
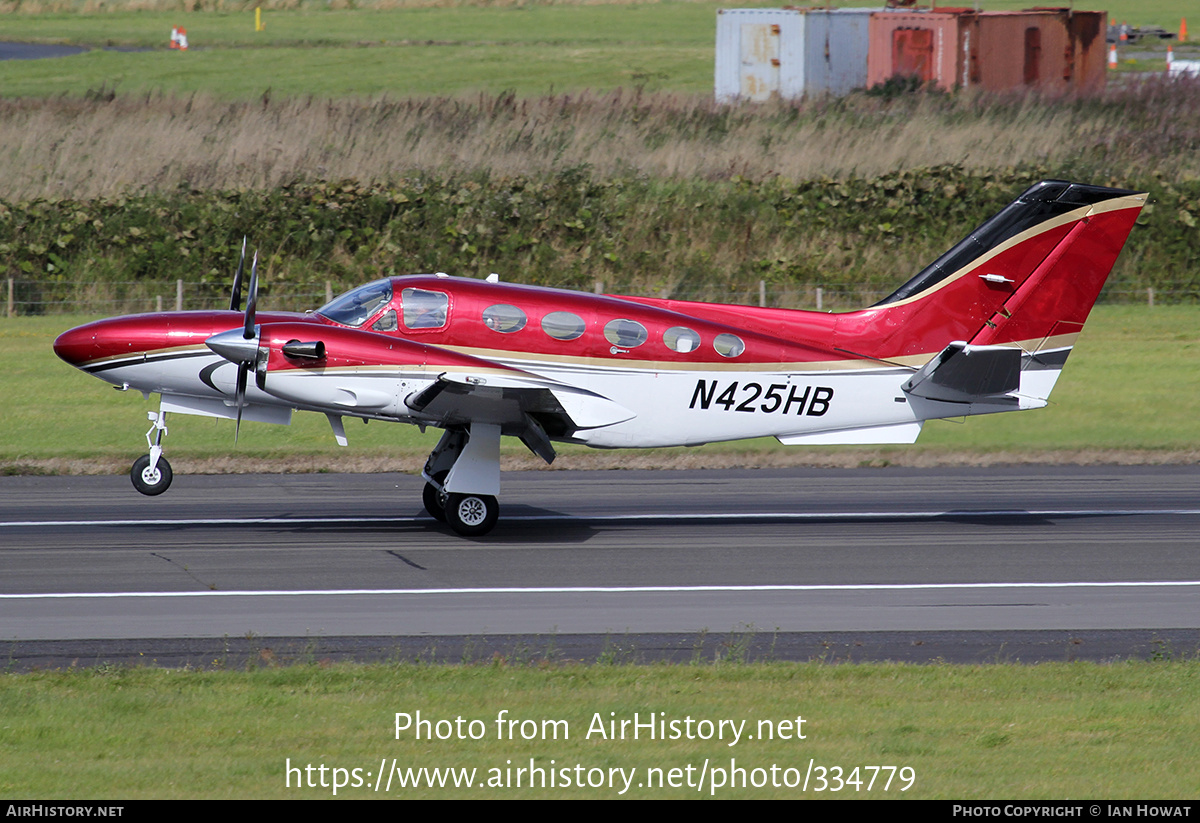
[(790, 52)]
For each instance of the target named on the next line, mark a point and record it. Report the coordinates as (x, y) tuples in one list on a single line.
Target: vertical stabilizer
[(1026, 279)]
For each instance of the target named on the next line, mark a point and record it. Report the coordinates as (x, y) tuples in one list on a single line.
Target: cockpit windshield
[(357, 306)]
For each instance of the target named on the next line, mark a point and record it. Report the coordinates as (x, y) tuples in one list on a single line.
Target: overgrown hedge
[(693, 238)]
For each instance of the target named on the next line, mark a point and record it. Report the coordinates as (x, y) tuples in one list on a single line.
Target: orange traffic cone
[(1182, 29), (174, 44), (1112, 57), (1170, 55)]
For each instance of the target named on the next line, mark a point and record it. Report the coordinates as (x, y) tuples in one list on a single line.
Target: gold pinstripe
[(533, 359)]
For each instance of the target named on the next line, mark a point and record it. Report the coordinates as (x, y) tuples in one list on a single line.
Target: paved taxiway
[(804, 550)]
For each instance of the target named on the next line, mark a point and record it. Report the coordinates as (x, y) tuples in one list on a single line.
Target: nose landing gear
[(151, 473)]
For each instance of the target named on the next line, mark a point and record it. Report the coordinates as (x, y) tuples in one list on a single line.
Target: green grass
[(1133, 383), (652, 24), (970, 732), (332, 72), (1165, 13), (532, 49)]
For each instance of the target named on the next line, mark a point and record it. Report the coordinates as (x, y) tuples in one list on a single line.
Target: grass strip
[(1124, 730)]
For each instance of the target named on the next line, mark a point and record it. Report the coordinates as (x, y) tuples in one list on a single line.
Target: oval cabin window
[(729, 345), (504, 318), (681, 339), (563, 325), (625, 333)]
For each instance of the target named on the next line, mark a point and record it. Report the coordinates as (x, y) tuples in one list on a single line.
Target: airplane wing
[(322, 366), (523, 405)]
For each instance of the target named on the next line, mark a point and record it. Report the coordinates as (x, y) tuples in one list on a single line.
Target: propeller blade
[(235, 299), (240, 398), (240, 346), (252, 299)]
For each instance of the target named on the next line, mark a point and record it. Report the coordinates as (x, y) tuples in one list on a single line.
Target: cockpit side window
[(424, 309), (357, 306), (386, 322)]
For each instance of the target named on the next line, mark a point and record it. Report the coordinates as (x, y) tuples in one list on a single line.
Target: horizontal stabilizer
[(963, 373)]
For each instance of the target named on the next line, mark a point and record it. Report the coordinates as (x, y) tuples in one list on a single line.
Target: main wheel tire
[(472, 515), (435, 500), (151, 482)]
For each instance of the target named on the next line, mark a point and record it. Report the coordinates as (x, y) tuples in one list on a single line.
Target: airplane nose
[(76, 346), (114, 337)]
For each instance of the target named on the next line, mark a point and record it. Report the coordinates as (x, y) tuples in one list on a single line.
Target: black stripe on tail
[(1040, 202)]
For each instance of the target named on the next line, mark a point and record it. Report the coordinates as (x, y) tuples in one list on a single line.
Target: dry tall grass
[(106, 145)]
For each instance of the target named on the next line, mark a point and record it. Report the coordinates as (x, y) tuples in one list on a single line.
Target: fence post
[(179, 294), (598, 287), (1150, 297), (158, 303), (762, 293), (820, 295), (10, 298), (328, 292)]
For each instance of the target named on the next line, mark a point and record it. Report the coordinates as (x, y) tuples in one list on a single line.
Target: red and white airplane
[(985, 328)]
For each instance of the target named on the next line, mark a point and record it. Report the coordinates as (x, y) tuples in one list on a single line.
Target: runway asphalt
[(1010, 563)]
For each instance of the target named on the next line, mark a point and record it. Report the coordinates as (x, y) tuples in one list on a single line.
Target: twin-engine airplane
[(985, 328)]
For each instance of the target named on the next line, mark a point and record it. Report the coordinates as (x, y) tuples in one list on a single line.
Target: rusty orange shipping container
[(1056, 51)]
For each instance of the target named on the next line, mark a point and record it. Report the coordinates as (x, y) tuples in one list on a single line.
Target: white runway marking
[(616, 589), (537, 518)]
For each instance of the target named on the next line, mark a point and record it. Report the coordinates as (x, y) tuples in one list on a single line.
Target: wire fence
[(30, 297)]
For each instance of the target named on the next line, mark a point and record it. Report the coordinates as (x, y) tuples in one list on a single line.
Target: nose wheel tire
[(148, 481), (471, 515)]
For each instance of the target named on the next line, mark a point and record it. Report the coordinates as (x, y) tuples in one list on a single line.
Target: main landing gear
[(463, 478), (151, 473)]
